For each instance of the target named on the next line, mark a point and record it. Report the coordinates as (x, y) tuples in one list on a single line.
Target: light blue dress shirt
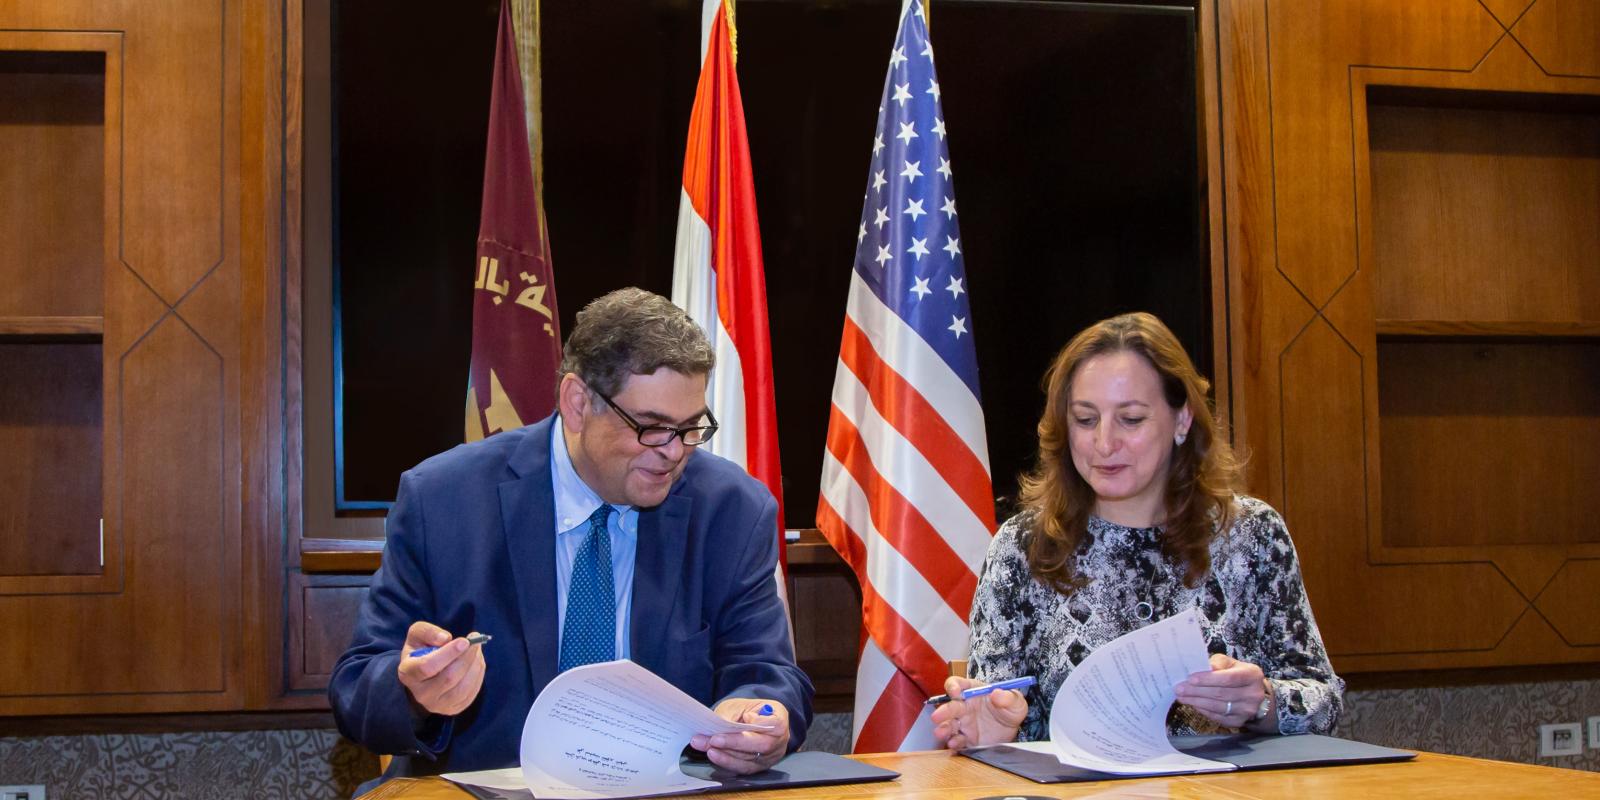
[(575, 502)]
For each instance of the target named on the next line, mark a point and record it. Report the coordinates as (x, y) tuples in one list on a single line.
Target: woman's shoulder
[(1254, 520), (1014, 532), (1254, 510)]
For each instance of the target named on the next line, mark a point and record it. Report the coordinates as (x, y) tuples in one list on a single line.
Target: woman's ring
[(1229, 711)]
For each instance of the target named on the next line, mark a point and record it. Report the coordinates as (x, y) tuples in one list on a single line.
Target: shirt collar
[(575, 501)]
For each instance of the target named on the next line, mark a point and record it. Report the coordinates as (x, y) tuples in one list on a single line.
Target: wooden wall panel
[(1250, 242), (1506, 12), (825, 601), (330, 620), (1568, 602), (50, 475), (1560, 35), (324, 609), (52, 107), (1308, 193), (166, 628), (1317, 504), (67, 272), (1489, 443), (1462, 224), (176, 536), (268, 134), (170, 208), (173, 191), (1313, 44)]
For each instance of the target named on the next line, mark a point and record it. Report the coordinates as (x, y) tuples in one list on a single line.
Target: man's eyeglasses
[(661, 435)]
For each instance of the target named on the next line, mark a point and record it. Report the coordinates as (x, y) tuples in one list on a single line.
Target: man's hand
[(1229, 694), (445, 681), (988, 719), (747, 751)]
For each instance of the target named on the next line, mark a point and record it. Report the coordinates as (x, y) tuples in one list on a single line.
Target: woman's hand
[(1230, 694), (988, 719)]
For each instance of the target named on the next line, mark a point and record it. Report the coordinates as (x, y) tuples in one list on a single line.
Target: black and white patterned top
[(1253, 603)]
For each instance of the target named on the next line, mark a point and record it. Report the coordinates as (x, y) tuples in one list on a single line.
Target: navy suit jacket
[(471, 546)]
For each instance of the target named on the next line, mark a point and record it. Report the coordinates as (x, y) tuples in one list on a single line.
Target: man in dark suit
[(598, 533)]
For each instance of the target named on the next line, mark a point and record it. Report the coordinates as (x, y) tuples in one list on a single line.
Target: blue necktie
[(589, 635)]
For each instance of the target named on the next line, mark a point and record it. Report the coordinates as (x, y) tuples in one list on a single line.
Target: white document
[(607, 730), (1110, 714), (508, 779)]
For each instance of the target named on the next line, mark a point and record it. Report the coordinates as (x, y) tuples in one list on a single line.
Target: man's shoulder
[(724, 509), (710, 476), (484, 459)]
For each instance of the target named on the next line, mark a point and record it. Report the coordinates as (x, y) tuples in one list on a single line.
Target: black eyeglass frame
[(707, 431)]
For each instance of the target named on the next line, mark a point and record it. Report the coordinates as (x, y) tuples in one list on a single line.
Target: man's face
[(605, 450)]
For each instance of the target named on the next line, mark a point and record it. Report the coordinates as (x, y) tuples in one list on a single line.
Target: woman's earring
[(1179, 437)]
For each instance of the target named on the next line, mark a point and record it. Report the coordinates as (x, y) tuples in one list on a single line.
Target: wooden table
[(941, 776)]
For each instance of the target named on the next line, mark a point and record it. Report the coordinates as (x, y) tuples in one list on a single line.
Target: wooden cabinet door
[(1411, 193), (156, 623)]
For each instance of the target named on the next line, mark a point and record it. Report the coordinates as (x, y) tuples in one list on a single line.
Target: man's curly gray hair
[(633, 332)]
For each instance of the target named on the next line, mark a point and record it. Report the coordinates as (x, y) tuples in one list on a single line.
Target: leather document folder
[(1248, 751), (808, 768)]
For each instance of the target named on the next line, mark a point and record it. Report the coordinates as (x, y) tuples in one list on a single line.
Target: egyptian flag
[(717, 274)]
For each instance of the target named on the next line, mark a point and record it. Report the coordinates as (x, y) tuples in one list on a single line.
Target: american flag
[(906, 496)]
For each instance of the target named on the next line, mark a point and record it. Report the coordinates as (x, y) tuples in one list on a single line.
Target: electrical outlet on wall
[(1594, 733), (1561, 739), (34, 792)]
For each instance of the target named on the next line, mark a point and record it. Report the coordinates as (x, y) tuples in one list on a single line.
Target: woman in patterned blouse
[(1130, 517)]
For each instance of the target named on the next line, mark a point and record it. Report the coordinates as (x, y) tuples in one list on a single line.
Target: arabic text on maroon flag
[(516, 331)]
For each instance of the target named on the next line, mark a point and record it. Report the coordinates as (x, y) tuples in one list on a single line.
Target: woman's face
[(1122, 435)]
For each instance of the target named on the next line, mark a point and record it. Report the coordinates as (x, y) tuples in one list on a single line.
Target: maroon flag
[(516, 333)]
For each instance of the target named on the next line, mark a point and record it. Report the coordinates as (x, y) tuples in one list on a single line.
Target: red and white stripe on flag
[(905, 492), (717, 275)]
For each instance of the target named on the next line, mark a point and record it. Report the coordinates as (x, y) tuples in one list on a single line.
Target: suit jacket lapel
[(527, 507), (657, 573)]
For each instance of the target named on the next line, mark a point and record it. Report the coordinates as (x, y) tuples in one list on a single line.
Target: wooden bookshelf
[(54, 328), (1472, 329), (53, 135)]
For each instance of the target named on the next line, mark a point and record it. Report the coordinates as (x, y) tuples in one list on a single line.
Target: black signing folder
[(808, 768), (1245, 751)]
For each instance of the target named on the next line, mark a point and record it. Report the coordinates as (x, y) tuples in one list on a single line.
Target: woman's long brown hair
[(1200, 479)]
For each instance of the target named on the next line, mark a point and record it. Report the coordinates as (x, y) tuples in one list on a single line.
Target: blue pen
[(979, 691), (479, 638)]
